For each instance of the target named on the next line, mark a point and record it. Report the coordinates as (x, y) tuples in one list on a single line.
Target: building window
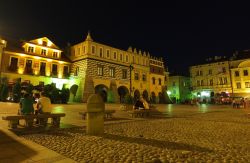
[(28, 67), (159, 81), (136, 76), (121, 57), (201, 73), (112, 72), (107, 52), (238, 85), (66, 71), (30, 49), (223, 69), (114, 55), (101, 53), (211, 82), (225, 80), (93, 49), (202, 83), (220, 81), (55, 54), (144, 78), (198, 83), (124, 74), (237, 73), (153, 80), (173, 83), (43, 52), (197, 73), (100, 70), (76, 71), (245, 72), (84, 49), (247, 84), (54, 69), (13, 64), (42, 68), (210, 72), (44, 43)]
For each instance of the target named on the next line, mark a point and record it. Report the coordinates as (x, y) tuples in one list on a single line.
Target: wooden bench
[(13, 120), (107, 114)]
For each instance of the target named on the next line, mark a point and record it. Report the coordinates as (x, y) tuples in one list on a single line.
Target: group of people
[(28, 104)]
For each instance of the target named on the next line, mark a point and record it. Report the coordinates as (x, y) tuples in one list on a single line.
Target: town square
[(204, 133)]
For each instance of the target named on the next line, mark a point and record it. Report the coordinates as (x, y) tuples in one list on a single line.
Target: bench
[(140, 113), (13, 120), (107, 114)]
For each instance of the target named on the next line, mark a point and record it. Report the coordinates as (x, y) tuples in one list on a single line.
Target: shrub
[(64, 95), (128, 99), (17, 92)]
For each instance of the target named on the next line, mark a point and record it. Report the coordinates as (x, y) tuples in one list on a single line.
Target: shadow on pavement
[(12, 150), (156, 143)]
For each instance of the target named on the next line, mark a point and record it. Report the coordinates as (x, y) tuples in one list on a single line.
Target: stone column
[(95, 115)]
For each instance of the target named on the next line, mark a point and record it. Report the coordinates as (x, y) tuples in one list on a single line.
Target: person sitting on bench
[(26, 105), (43, 104), (139, 104)]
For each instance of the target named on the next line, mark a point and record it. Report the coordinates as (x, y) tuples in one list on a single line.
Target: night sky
[(182, 33)]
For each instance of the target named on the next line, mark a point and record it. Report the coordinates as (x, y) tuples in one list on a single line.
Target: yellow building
[(93, 67), (106, 70), (210, 79), (37, 61)]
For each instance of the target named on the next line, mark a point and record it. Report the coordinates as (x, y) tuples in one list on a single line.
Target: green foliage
[(128, 99), (17, 92), (111, 96), (4, 92), (55, 95), (29, 88)]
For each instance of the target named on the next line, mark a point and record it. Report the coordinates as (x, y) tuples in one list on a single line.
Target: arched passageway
[(137, 95), (153, 98), (145, 95), (122, 91)]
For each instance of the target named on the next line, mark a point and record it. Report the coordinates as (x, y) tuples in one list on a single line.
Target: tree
[(17, 92)]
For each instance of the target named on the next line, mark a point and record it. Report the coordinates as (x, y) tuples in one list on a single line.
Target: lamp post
[(130, 79)]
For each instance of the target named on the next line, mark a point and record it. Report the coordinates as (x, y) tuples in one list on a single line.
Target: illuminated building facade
[(38, 62), (93, 67), (106, 70), (222, 77), (179, 88)]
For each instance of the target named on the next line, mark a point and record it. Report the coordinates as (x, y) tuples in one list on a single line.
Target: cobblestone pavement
[(188, 134)]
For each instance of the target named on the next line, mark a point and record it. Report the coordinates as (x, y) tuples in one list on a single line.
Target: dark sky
[(182, 33)]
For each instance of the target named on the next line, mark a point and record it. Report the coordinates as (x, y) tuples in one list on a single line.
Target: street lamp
[(130, 70)]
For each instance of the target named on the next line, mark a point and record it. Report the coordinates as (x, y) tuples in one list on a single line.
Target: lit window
[(76, 71), (101, 52), (153, 80), (114, 55), (112, 72), (238, 85), (245, 72), (100, 70), (144, 78), (30, 49), (124, 74), (55, 54), (107, 52), (43, 52), (136, 76), (159, 81), (121, 57), (247, 84), (237, 73), (93, 50), (211, 81)]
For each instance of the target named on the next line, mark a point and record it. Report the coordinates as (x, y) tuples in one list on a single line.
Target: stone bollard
[(95, 115)]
